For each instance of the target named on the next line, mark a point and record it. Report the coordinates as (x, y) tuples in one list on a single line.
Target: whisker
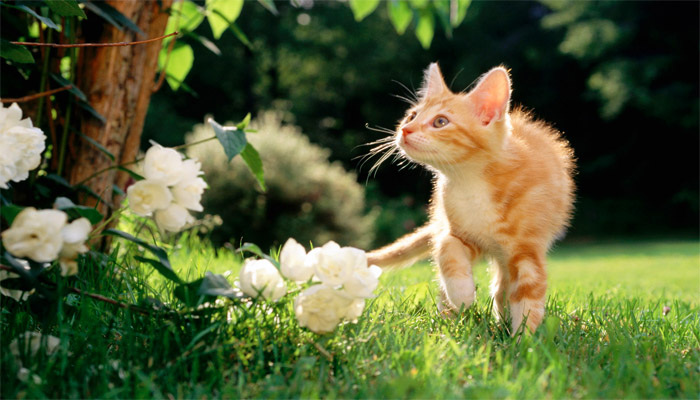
[(380, 129), (412, 93), (412, 102)]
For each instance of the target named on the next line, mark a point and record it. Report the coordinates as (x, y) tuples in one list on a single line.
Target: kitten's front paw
[(460, 292)]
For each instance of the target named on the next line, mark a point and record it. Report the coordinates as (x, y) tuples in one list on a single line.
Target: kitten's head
[(444, 128)]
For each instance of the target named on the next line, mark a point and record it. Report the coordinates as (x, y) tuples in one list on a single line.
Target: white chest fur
[(469, 210)]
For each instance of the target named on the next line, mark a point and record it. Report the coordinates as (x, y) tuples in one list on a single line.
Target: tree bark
[(118, 83)]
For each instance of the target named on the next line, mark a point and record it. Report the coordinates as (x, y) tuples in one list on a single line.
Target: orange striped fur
[(503, 190)]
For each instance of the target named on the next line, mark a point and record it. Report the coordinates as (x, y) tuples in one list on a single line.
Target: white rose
[(23, 374), (173, 218), (147, 196), (261, 277), (334, 264), (188, 191), (36, 234), (163, 164), (362, 282), (74, 236), (354, 310), (293, 262), (31, 343), (22, 145), (320, 308), (18, 295)]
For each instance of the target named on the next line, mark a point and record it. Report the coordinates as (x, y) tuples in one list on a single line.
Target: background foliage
[(307, 197), (618, 78)]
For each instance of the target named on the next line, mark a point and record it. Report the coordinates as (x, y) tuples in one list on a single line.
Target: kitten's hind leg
[(527, 290), (454, 258)]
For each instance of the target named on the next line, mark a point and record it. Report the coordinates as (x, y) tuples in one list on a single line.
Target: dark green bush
[(308, 197)]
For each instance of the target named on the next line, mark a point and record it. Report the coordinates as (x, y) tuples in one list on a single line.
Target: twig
[(115, 44), (131, 307), (35, 95)]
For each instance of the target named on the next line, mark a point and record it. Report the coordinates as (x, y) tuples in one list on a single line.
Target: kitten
[(502, 189)]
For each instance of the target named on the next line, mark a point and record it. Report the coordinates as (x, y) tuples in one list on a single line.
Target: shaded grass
[(604, 336)]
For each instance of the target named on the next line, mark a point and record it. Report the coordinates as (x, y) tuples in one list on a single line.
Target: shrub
[(308, 197)]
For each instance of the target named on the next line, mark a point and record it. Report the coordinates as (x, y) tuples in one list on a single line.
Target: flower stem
[(42, 84), (64, 138)]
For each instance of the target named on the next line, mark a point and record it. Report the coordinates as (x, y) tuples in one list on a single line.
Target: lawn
[(605, 335)]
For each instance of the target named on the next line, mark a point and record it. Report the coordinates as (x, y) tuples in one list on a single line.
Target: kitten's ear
[(491, 95), (433, 82)]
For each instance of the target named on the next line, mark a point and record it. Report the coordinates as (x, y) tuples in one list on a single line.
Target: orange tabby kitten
[(502, 189)]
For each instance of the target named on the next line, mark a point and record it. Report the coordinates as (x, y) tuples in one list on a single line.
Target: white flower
[(188, 191), (354, 310), (18, 295), (32, 342), (320, 308), (261, 277), (334, 264), (147, 196), (163, 164), (362, 282), (173, 218), (293, 263), (23, 374), (74, 236), (21, 144), (36, 234)]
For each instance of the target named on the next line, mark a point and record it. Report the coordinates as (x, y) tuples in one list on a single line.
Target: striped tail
[(405, 251)]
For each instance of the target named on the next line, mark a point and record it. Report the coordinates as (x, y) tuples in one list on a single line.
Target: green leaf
[(97, 145), (66, 8), (363, 8), (270, 6), (74, 90), (111, 15), (47, 21), (244, 124), (15, 52), (416, 4), (76, 211), (131, 173), (233, 140), (217, 285), (87, 107), (164, 270), (9, 212), (221, 14), (425, 29), (254, 163), (443, 11), (255, 249), (179, 64), (241, 36), (163, 264), (185, 18), (208, 44), (188, 293), (400, 15), (116, 189), (18, 268), (462, 6)]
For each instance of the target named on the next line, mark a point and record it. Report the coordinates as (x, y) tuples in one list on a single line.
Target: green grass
[(605, 336)]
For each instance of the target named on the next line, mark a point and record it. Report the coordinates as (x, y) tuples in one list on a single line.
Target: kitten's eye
[(411, 116), (439, 122)]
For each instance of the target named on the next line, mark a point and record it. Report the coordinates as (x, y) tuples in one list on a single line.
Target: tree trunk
[(118, 83)]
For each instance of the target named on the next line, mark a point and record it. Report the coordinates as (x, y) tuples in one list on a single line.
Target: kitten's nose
[(406, 131)]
